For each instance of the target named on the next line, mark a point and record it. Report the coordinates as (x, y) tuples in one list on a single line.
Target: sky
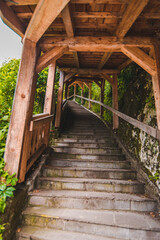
[(10, 43)]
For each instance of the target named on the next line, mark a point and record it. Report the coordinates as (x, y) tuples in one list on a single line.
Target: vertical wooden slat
[(115, 100), (75, 91), (89, 95), (21, 111), (156, 81), (59, 100), (66, 91), (102, 97), (82, 101), (50, 89)]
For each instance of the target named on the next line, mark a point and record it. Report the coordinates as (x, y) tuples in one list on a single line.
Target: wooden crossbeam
[(104, 59), (89, 71), (125, 64), (107, 77), (95, 44), (75, 56), (132, 12), (141, 58), (11, 19), (44, 14), (98, 84), (68, 77), (50, 56)]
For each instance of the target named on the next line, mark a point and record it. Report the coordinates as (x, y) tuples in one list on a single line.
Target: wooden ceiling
[(94, 31)]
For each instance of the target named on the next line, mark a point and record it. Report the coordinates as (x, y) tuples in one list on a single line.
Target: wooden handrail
[(40, 115), (144, 127), (34, 124)]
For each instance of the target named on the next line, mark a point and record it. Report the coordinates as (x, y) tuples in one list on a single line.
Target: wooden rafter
[(90, 71), (104, 59), (96, 44), (11, 19), (44, 14), (66, 15), (141, 58), (132, 12), (49, 57), (125, 64), (68, 77)]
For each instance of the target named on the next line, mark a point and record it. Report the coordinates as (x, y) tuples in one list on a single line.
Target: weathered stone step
[(126, 225), (89, 184), (85, 145), (91, 200), (85, 141), (100, 151), (89, 163), (50, 171), (38, 233), (111, 157)]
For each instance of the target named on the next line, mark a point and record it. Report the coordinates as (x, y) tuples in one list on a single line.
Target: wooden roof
[(94, 31)]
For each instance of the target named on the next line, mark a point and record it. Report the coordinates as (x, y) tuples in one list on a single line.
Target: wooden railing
[(36, 141), (142, 126)]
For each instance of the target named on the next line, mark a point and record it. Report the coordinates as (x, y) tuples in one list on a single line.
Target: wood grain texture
[(104, 59)]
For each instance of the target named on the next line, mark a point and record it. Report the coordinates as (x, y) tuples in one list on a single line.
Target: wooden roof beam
[(141, 58), (107, 77), (44, 14), (95, 44), (68, 77), (89, 71), (125, 64), (11, 19), (50, 56), (132, 12), (104, 59)]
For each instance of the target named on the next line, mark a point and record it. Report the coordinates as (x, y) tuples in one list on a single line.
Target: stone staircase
[(87, 189)]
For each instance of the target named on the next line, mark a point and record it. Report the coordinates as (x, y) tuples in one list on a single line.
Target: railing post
[(102, 97), (48, 103), (66, 91), (82, 101), (74, 92), (22, 111), (89, 95), (115, 100), (156, 81), (59, 100)]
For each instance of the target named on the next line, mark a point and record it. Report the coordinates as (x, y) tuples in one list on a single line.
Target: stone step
[(121, 224), (38, 233), (91, 200), (49, 171), (100, 151), (89, 163), (86, 141), (110, 157), (89, 184), (85, 145)]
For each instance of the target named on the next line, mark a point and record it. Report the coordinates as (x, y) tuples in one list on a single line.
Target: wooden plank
[(75, 56), (68, 77), (66, 16), (40, 115), (95, 44), (36, 124), (96, 14), (142, 126), (50, 56), (59, 100), (141, 58), (44, 14), (104, 59), (115, 100), (89, 71), (132, 12), (48, 103), (25, 86), (125, 64), (156, 81), (11, 19)]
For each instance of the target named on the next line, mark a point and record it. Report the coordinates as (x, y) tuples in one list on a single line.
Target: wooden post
[(82, 101), (115, 100), (50, 89), (156, 81), (22, 108), (59, 100), (90, 95), (102, 97), (66, 91), (75, 85)]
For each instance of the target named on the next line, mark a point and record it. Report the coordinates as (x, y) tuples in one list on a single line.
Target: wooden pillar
[(115, 100), (50, 89), (59, 100), (156, 81), (102, 97), (90, 95), (66, 91), (22, 108), (75, 85)]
